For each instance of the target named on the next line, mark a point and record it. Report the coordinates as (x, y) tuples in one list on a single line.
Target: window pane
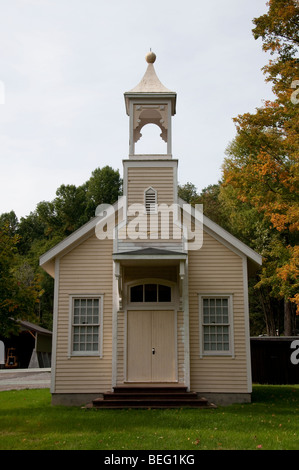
[(164, 293), (215, 324), (137, 293), (150, 292), (86, 325)]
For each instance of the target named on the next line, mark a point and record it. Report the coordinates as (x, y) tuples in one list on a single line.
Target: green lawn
[(271, 421)]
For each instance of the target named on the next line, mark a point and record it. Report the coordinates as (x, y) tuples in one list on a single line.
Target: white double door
[(151, 346)]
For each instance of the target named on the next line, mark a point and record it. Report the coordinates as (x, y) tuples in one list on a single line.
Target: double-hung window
[(86, 325), (216, 336)]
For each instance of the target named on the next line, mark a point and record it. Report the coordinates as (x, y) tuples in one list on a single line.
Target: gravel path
[(19, 379)]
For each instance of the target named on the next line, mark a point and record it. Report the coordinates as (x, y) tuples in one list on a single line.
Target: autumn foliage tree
[(20, 288), (262, 163), (26, 291)]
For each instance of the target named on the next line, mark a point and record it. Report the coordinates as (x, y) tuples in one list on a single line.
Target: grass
[(28, 421)]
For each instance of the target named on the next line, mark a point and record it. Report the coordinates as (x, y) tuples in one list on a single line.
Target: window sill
[(86, 354), (217, 354)]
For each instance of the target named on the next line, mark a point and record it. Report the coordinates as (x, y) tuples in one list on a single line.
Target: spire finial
[(150, 57)]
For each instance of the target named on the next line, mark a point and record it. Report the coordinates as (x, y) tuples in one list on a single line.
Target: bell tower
[(149, 179), (150, 102)]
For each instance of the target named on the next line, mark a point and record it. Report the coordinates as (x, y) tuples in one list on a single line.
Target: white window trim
[(230, 352), (99, 352)]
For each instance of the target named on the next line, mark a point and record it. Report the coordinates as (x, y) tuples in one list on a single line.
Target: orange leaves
[(268, 183), (266, 165), (290, 269), (295, 299), (261, 170), (289, 274), (278, 221)]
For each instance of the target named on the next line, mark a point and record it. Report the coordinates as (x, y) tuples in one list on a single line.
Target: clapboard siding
[(87, 269), (216, 269), (161, 179)]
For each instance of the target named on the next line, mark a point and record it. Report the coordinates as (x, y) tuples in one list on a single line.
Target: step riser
[(151, 397), (140, 406), (152, 390), (128, 403), (149, 400)]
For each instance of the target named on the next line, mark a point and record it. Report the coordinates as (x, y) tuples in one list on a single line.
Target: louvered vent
[(150, 201)]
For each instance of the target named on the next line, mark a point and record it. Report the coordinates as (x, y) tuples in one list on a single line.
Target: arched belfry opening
[(151, 141), (150, 102)]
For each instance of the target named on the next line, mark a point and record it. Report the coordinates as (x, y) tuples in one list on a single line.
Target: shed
[(30, 348)]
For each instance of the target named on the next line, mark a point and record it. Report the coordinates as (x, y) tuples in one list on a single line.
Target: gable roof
[(47, 260)]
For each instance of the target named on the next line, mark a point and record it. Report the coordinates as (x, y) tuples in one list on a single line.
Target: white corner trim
[(247, 325), (55, 326), (115, 308), (186, 319)]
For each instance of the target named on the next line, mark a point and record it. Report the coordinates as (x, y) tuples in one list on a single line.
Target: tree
[(69, 207), (19, 288), (73, 205), (26, 291), (188, 192), (262, 162), (10, 220), (209, 198), (103, 187)]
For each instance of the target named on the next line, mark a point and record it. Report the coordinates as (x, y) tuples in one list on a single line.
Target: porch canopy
[(154, 255)]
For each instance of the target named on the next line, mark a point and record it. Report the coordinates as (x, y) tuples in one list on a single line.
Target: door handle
[(153, 351)]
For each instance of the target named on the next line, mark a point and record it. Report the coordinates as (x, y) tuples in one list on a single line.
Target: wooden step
[(151, 397), (150, 389), (101, 403)]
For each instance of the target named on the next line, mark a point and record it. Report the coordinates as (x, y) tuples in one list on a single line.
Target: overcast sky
[(65, 64)]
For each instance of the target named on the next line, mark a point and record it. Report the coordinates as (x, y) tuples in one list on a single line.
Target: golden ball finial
[(150, 57)]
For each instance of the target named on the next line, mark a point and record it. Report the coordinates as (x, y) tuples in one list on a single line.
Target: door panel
[(139, 345), (163, 341), (151, 346)]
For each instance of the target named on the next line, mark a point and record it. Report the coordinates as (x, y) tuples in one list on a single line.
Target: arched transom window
[(150, 293)]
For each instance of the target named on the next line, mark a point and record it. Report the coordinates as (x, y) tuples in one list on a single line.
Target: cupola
[(150, 102)]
